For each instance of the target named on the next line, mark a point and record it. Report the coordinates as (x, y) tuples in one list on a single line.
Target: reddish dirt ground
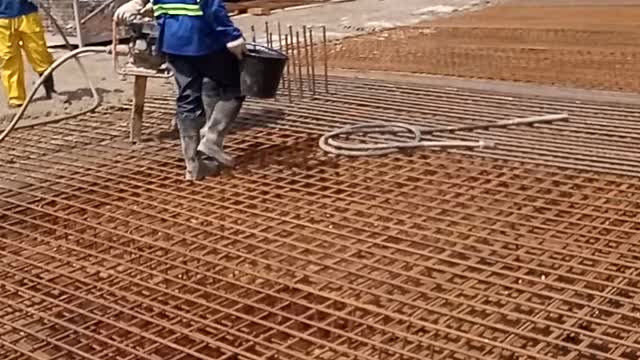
[(588, 45), (242, 7)]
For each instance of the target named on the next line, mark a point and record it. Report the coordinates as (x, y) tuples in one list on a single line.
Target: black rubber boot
[(49, 87), (50, 90)]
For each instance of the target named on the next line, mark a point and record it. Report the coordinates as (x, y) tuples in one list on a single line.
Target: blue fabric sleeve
[(217, 17)]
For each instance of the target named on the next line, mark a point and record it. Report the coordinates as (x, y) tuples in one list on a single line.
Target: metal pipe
[(96, 11), (501, 124), (76, 14), (253, 34)]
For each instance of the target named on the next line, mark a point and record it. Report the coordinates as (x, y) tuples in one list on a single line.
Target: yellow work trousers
[(26, 33)]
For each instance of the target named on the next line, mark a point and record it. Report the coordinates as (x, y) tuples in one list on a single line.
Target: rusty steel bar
[(325, 58), (281, 48), (299, 61), (313, 62), (288, 77), (306, 56), (293, 56)]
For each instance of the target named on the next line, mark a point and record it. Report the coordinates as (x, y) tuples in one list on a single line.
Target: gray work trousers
[(214, 79)]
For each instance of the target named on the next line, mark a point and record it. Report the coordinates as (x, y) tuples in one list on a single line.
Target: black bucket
[(262, 69)]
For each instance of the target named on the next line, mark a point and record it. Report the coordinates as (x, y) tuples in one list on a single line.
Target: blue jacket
[(15, 8), (195, 35)]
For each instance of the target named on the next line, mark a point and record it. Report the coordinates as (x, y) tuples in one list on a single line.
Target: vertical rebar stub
[(306, 56), (280, 48), (313, 62), (300, 80), (325, 58), (292, 52), (288, 52)]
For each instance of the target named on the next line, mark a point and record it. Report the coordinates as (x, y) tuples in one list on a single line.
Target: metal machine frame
[(143, 62)]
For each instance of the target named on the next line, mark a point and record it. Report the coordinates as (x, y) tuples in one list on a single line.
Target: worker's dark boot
[(224, 114), (50, 89)]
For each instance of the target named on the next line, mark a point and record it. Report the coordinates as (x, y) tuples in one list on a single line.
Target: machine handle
[(115, 40), (255, 45)]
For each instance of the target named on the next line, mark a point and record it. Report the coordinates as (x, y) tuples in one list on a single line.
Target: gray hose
[(329, 144), (72, 55)]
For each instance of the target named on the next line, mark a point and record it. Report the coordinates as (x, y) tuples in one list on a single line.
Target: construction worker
[(21, 29), (200, 42)]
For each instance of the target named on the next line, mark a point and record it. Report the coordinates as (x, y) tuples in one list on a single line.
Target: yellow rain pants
[(26, 33)]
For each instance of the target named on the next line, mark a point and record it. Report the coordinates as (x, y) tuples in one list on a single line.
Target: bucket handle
[(256, 45)]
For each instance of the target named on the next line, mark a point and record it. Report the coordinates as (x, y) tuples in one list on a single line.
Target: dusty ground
[(354, 18), (590, 44)]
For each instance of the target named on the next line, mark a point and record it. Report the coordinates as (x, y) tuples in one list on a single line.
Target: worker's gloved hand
[(238, 48), (129, 11), (147, 11)]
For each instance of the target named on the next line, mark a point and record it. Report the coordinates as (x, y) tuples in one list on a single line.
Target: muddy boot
[(50, 90), (207, 166), (224, 114), (189, 145), (189, 126)]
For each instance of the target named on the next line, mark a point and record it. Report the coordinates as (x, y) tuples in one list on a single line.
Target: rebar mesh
[(565, 43), (508, 253)]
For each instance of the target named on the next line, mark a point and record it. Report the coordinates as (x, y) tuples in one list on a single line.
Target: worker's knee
[(32, 24), (9, 52), (8, 59), (34, 43), (12, 66), (189, 124)]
